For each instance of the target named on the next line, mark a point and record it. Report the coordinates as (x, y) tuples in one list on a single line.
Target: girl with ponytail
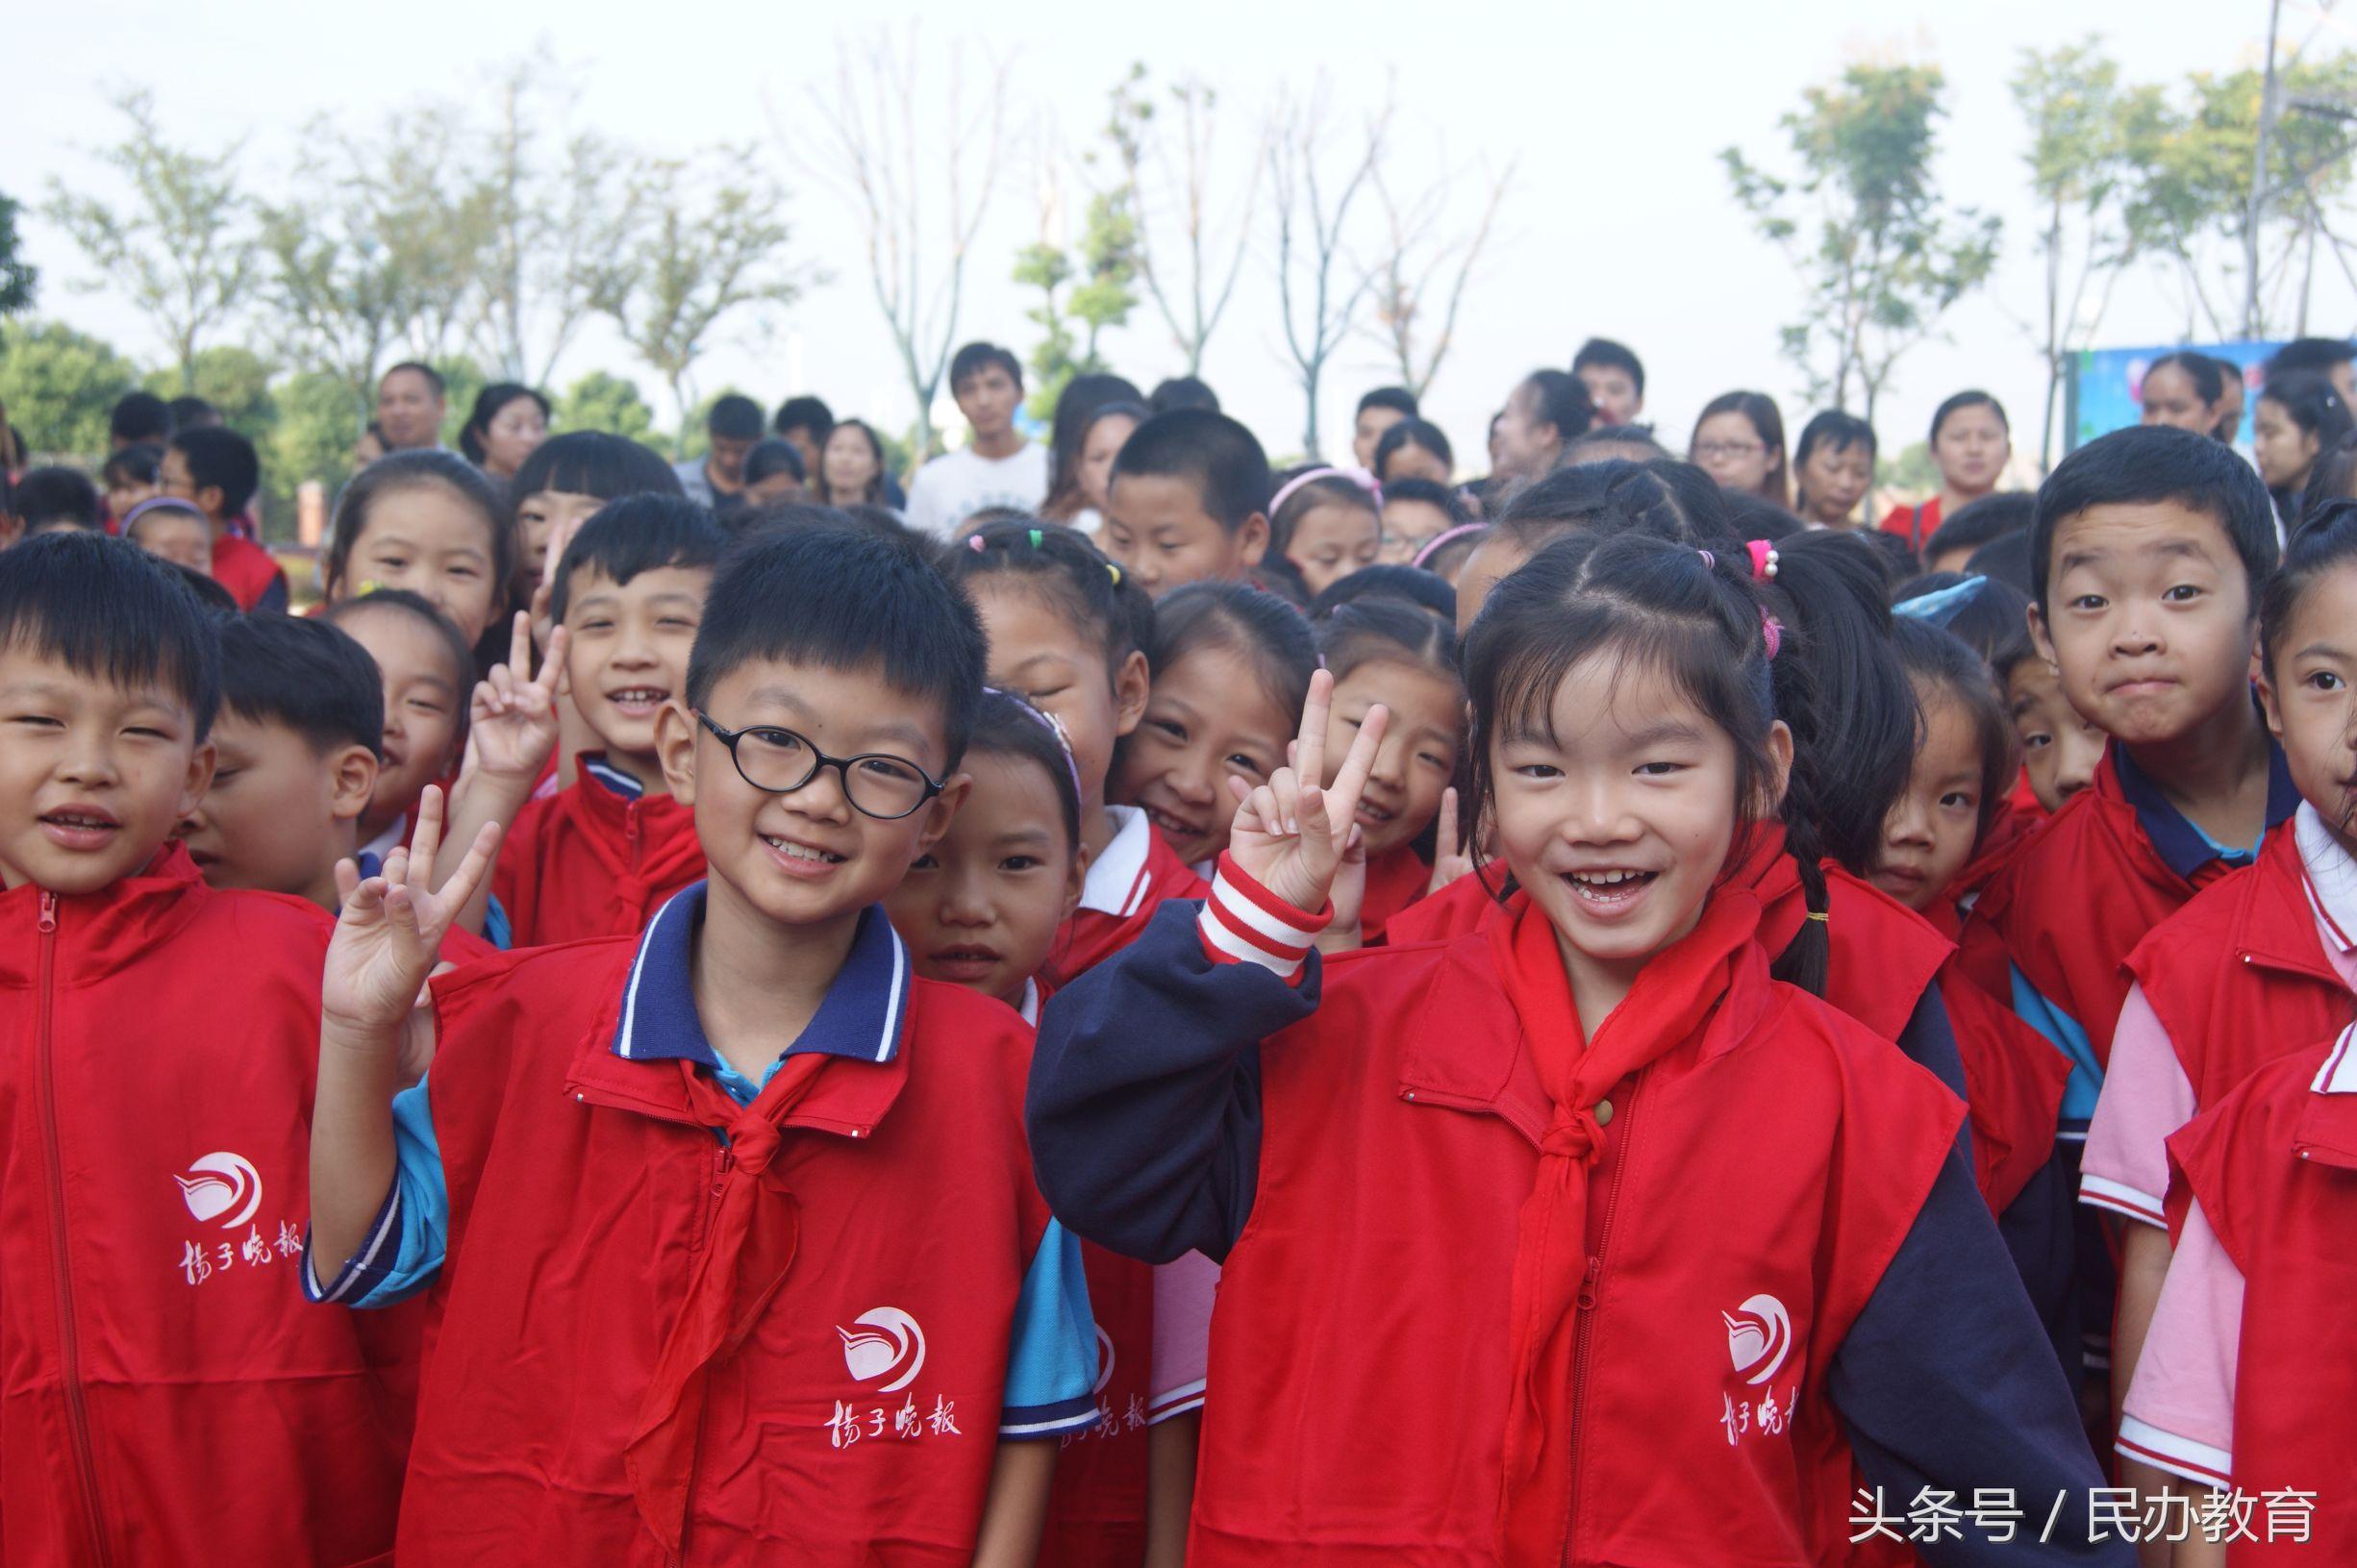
[(1658, 1245)]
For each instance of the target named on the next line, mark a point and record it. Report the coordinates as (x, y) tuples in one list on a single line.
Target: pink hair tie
[(1433, 546), (1360, 477), (1771, 633), (1707, 559), (973, 542), (1764, 560)]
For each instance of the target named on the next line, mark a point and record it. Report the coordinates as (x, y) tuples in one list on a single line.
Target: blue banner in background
[(2107, 386)]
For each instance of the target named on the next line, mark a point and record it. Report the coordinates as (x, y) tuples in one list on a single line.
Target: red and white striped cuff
[(1170, 1402), (1243, 922), (2198, 1462), (2103, 1192)]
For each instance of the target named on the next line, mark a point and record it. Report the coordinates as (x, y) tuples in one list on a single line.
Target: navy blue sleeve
[(273, 600), (1929, 1041), (1144, 1105), (2039, 1230), (1947, 1382)]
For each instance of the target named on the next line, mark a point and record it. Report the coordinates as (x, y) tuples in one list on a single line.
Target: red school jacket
[(1394, 881), (2274, 1166), (245, 568), (1097, 1511), (2237, 977), (856, 1423), (168, 1396), (1754, 1184), (1137, 875), (589, 861), (2014, 1082), (2071, 907)]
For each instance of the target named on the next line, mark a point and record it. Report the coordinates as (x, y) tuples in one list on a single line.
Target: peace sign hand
[(1288, 833), (391, 926), (512, 722), (1452, 857)]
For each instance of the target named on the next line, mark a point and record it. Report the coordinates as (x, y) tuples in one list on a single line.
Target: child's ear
[(1780, 763), (351, 778), (2271, 704), (941, 809), (196, 781), (1075, 882), (1130, 686), (1252, 539), (209, 501), (2039, 636), (675, 731)]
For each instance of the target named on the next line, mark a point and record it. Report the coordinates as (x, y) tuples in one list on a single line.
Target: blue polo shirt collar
[(593, 765), (2182, 845), (864, 1015)]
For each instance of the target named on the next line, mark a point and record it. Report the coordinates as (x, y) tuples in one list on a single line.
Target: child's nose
[(964, 902), (1199, 784)]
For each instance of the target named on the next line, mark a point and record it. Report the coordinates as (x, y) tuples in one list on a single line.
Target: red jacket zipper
[(77, 1416), (1585, 1331)]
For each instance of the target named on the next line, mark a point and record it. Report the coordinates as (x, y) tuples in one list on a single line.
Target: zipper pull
[(49, 912), (1588, 1284)]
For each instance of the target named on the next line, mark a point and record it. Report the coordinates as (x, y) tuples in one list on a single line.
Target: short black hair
[(2006, 558), (219, 458), (734, 418), (1606, 354), (593, 462), (140, 463), (139, 416), (1971, 398), (418, 608), (843, 600), (2314, 354), (307, 675), (774, 456), (1416, 432), (1993, 619), (1562, 402), (211, 598), (1982, 522), (1064, 568), (1408, 585), (1217, 455), (1431, 494), (46, 497), (1633, 435), (1183, 393), (1398, 399), (804, 412), (433, 377), (424, 468), (1836, 429), (974, 358), (2155, 463), (107, 610), (637, 534), (193, 412)]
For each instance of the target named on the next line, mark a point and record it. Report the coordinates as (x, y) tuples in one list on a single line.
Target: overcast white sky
[(1622, 223)]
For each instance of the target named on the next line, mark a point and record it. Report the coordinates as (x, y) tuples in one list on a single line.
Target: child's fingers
[(1447, 838), (519, 641), (460, 890), (427, 841), (401, 909), (347, 879), (1310, 754), (553, 670), (1351, 782)]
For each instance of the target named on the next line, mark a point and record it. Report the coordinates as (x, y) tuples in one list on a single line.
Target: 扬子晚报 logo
[(890, 1342), (221, 1187), (1758, 1337)]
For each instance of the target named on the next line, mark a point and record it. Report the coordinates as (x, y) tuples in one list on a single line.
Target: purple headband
[(159, 503), (1054, 727), (1360, 477)]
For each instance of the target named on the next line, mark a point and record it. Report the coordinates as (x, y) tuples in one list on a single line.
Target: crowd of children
[(1150, 1009)]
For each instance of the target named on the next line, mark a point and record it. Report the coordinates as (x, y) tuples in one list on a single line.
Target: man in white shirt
[(999, 468)]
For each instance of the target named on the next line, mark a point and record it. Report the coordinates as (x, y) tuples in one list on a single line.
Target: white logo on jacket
[(221, 1187), (891, 1338), (1758, 1337)]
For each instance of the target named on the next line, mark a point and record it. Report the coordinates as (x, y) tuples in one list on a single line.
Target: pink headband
[(1360, 477), (1433, 546)]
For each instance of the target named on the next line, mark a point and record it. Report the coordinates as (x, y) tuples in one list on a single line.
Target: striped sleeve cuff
[(2103, 1192), (2196, 1462), (1169, 1401), (367, 1268), (1243, 922), (1064, 1418)]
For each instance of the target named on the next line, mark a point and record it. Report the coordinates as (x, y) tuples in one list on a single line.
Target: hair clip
[(1116, 569), (1034, 538), (1825, 915), (1054, 727), (1360, 477), (1771, 633), (1763, 559)]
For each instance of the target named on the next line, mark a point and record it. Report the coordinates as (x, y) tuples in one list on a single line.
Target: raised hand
[(1451, 857), (1288, 835), (391, 926), (511, 726)]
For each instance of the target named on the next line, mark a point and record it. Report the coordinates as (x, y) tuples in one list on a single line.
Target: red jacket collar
[(2275, 926), (98, 933), (849, 1098)]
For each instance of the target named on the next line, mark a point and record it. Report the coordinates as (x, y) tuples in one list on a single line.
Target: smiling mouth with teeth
[(1604, 887), (1175, 826), (639, 697), (802, 852)]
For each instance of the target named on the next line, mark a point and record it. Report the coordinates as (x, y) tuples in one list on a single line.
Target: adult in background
[(806, 422), (997, 468), (1541, 418), (2328, 357), (1068, 440), (2184, 390), (1378, 412), (851, 468), (1832, 468), (1615, 378), (733, 427), (1970, 443), (1738, 442), (138, 418), (507, 425), (411, 401)]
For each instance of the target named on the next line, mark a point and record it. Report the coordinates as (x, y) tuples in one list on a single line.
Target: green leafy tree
[(18, 277), (236, 381), (1880, 257), (1046, 268), (183, 250), (2072, 101), (319, 420), (612, 404), (1103, 286), (59, 387), (461, 380), (703, 252)]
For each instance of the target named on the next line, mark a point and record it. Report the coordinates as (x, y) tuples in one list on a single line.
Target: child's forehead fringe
[(144, 674)]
